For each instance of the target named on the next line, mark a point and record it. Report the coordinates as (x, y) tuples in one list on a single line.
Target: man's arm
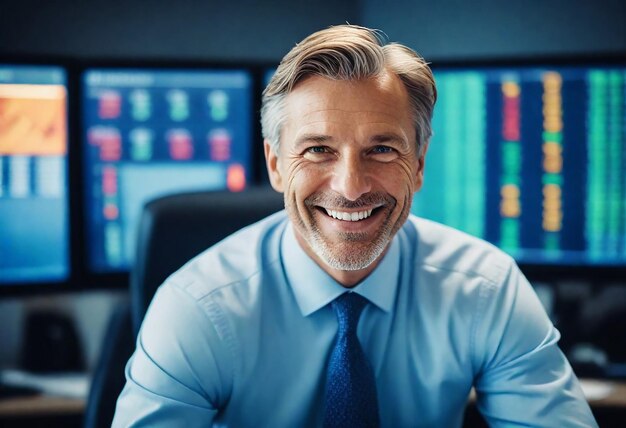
[(523, 377), (180, 373)]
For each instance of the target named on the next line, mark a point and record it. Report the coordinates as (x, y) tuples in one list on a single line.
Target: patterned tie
[(350, 396)]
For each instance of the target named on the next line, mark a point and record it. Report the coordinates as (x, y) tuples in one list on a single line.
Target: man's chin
[(349, 257)]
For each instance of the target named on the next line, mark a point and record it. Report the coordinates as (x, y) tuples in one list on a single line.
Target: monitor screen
[(34, 236), (532, 159), (152, 132)]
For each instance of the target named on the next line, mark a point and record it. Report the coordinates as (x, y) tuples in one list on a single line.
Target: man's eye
[(316, 149), (382, 149)]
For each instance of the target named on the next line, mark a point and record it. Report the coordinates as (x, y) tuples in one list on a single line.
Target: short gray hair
[(349, 52)]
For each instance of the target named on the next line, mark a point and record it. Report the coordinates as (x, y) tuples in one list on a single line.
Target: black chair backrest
[(175, 228)]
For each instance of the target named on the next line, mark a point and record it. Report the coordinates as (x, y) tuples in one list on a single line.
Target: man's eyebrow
[(390, 138), (312, 138)]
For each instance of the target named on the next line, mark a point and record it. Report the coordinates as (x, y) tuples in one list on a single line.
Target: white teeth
[(349, 216)]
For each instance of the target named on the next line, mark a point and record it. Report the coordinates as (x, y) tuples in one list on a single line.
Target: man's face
[(348, 166)]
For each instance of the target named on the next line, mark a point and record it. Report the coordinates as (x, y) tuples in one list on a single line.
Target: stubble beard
[(353, 253), (350, 251)]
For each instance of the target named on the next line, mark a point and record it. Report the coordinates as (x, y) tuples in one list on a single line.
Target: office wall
[(453, 29), (200, 29)]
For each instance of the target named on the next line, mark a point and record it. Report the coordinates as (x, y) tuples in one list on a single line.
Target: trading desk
[(41, 411), (607, 400)]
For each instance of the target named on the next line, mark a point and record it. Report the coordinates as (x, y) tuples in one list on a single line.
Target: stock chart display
[(148, 133), (532, 159), (34, 232)]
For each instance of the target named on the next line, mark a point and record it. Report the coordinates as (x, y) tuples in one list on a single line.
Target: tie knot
[(348, 308)]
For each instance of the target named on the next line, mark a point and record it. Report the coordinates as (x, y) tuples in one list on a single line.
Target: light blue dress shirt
[(242, 334)]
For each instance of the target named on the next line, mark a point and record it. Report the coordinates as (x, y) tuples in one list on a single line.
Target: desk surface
[(36, 405), (600, 393), (61, 394), (614, 393)]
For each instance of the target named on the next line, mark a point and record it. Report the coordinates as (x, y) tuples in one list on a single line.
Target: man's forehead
[(384, 84), (317, 94), (319, 103)]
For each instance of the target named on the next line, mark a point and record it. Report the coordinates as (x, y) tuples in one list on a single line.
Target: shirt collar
[(314, 288)]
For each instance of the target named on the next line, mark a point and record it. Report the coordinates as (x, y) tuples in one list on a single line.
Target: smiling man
[(349, 167), (344, 310)]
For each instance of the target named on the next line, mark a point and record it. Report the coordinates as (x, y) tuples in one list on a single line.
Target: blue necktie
[(350, 396)]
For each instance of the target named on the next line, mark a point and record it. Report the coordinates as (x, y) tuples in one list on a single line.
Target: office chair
[(175, 228), (172, 230)]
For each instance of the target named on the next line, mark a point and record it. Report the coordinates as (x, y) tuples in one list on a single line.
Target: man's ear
[(271, 160), (421, 162)]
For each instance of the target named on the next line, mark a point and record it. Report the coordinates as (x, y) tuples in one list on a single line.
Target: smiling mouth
[(346, 216)]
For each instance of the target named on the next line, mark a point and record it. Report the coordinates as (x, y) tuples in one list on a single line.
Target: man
[(344, 310)]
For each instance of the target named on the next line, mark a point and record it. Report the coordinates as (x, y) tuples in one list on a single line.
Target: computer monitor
[(34, 235), (149, 132), (533, 159)]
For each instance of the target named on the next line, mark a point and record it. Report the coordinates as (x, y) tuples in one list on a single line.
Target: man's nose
[(351, 178)]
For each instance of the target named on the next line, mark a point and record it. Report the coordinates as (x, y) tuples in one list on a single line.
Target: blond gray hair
[(349, 52)]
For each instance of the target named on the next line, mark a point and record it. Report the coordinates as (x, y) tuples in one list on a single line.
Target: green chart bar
[(606, 188), (623, 178), (616, 165), (475, 134), (455, 163)]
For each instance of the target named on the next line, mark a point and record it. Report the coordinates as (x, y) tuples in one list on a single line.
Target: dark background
[(265, 30)]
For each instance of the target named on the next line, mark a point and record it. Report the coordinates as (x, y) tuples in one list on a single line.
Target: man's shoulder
[(234, 260), (441, 247)]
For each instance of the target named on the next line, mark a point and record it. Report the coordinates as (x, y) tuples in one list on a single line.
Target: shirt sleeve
[(180, 373), (523, 377)]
